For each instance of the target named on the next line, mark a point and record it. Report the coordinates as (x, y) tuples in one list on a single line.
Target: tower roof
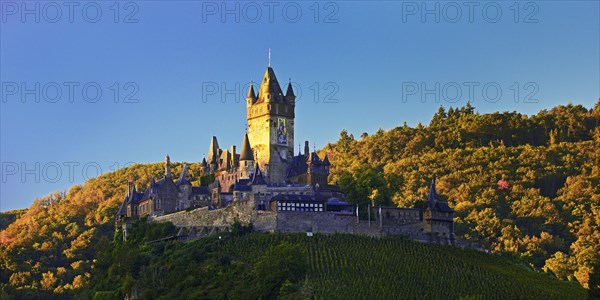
[(213, 151), (251, 93), (257, 177), (326, 160), (314, 158), (290, 90), (270, 91), (185, 177), (246, 153), (432, 197), (433, 201)]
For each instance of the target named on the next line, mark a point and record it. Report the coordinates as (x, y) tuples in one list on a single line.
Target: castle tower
[(271, 126), (185, 188), (204, 167), (246, 159), (438, 218), (214, 155)]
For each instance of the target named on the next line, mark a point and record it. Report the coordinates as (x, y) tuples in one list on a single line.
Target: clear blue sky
[(369, 51)]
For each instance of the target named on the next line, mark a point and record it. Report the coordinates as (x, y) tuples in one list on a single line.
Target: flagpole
[(380, 218), (369, 215)]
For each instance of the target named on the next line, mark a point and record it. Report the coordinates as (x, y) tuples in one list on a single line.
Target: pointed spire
[(290, 90), (246, 153), (204, 164), (167, 166), (184, 178), (432, 197), (326, 160), (257, 177), (270, 91), (251, 95), (213, 151)]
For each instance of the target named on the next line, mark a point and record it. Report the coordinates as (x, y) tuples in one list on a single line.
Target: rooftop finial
[(269, 57)]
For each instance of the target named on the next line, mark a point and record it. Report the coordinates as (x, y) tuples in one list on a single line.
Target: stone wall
[(323, 222), (316, 222), (201, 217)]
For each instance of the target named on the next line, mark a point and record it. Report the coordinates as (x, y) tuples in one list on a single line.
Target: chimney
[(233, 157), (306, 148)]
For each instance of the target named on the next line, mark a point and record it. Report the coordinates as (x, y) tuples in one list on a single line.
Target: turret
[(213, 154), (204, 166), (246, 154), (246, 162), (251, 99), (431, 198), (289, 94)]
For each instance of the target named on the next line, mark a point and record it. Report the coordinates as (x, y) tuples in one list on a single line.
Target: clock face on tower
[(281, 132)]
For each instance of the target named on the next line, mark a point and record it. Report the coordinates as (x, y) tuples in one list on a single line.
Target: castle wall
[(198, 217), (323, 222), (316, 222), (265, 221)]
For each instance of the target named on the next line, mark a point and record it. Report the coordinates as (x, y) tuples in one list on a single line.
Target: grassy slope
[(346, 266)]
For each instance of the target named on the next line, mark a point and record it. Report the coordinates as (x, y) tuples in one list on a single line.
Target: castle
[(268, 186)]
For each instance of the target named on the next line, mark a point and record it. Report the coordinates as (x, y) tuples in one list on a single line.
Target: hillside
[(7, 217), (527, 186), (294, 266)]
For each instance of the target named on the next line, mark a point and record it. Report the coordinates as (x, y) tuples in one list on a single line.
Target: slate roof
[(300, 163), (246, 153), (269, 86), (290, 91), (184, 178), (433, 201), (251, 93), (123, 209), (200, 190), (242, 188), (257, 177), (135, 196)]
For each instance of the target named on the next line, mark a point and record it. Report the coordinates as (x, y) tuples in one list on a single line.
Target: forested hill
[(526, 185)]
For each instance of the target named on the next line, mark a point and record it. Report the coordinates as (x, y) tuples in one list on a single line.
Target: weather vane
[(269, 57)]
